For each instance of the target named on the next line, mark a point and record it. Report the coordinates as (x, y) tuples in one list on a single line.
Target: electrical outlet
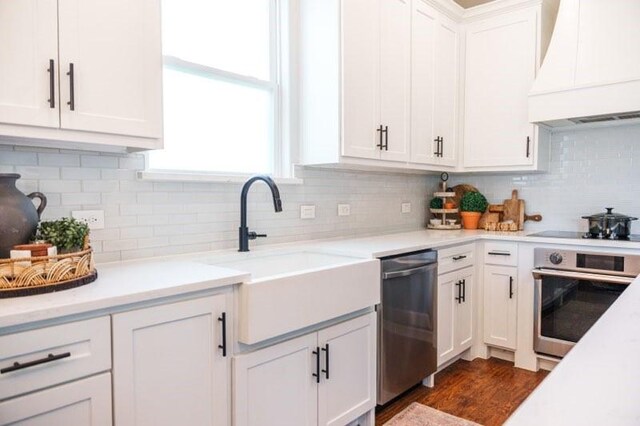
[(93, 218), (308, 212), (344, 209), (406, 208)]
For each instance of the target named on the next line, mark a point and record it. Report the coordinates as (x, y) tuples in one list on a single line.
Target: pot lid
[(609, 215)]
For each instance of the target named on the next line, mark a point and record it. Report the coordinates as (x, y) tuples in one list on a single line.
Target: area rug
[(420, 415)]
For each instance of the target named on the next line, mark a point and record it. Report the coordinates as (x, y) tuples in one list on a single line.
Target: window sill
[(166, 176)]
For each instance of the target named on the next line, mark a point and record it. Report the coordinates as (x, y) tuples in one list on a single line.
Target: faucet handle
[(253, 235)]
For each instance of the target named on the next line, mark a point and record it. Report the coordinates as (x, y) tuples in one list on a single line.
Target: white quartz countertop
[(393, 244), (119, 284), (598, 382), (122, 283)]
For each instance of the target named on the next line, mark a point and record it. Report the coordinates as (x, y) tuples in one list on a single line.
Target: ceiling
[(471, 3)]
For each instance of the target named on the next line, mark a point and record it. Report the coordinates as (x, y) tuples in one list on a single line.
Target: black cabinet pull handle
[(223, 319), (72, 97), (326, 358), (317, 373), (386, 138), (441, 146), (380, 130), (52, 81), (499, 253), (528, 146), (438, 140), (458, 298), (459, 257), (464, 290), (510, 287), (49, 358)]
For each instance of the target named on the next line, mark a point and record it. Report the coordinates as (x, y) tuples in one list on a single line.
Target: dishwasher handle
[(408, 272)]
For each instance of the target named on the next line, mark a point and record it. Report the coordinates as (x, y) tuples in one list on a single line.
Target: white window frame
[(281, 84)]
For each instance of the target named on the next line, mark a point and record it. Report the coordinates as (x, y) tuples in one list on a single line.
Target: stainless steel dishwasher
[(407, 322)]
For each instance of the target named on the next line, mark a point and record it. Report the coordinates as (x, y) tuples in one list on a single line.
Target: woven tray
[(46, 274)]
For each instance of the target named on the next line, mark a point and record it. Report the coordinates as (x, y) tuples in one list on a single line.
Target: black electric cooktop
[(579, 235)]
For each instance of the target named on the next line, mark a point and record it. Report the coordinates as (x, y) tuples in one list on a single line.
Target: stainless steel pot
[(610, 225)]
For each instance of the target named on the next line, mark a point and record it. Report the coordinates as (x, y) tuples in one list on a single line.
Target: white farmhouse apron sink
[(291, 290)]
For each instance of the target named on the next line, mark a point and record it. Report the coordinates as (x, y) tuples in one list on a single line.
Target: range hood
[(591, 72)]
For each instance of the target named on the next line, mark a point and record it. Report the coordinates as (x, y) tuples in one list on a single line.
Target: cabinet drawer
[(501, 253), (47, 356), (454, 258)]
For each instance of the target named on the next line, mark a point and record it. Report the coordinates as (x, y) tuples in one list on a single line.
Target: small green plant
[(67, 234), (473, 202), (436, 203)]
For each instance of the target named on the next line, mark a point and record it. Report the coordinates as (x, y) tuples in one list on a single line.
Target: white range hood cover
[(591, 72)]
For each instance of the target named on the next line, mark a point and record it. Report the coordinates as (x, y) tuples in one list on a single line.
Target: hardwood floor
[(484, 391)]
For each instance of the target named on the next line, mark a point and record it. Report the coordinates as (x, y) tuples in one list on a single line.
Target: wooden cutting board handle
[(533, 217)]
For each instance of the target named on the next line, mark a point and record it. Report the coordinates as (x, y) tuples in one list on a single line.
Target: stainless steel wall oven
[(572, 291)]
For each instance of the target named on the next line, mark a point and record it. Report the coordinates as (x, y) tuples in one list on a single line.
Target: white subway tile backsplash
[(589, 170), (100, 161), (61, 186), (58, 159), (14, 158), (80, 198)]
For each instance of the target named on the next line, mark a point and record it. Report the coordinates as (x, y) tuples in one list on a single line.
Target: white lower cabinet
[(500, 305), (455, 313), (83, 402), (323, 378), (169, 364)]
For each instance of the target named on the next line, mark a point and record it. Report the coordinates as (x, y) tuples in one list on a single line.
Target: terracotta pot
[(449, 205), (470, 220), (18, 216), (36, 249)]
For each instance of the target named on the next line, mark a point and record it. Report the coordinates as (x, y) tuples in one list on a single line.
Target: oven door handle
[(611, 279)]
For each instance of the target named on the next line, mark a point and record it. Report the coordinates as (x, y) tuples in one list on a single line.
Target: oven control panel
[(555, 258), (551, 258), (592, 262)]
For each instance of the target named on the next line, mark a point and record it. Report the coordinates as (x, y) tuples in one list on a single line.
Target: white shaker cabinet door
[(276, 386), (168, 368), (446, 89), (111, 66), (361, 79), (500, 304), (464, 323), (348, 365), (84, 402), (424, 148), (29, 62), (395, 75), (500, 69), (448, 294)]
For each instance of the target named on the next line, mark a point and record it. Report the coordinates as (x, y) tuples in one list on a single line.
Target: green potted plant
[(472, 205), (67, 234)]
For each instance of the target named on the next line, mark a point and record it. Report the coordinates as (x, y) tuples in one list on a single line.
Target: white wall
[(590, 170), (146, 218)]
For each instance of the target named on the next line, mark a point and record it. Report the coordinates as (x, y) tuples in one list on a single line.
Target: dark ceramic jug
[(18, 216)]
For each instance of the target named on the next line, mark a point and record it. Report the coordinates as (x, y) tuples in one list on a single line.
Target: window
[(222, 87)]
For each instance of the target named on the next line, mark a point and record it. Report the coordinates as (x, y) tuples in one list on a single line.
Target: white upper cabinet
[(361, 79), (86, 72), (434, 86), (502, 56), (114, 47), (355, 82), (28, 62), (395, 74)]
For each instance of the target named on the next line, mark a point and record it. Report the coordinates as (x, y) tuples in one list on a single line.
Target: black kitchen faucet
[(244, 234)]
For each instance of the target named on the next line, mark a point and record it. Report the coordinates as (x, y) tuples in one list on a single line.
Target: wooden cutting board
[(514, 210)]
